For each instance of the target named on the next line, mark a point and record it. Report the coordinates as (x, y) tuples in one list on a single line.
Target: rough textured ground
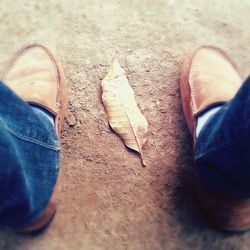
[(109, 201)]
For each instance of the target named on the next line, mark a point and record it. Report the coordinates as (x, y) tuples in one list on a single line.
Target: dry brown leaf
[(123, 112)]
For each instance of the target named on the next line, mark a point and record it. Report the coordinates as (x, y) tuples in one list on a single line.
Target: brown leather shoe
[(210, 77), (36, 75)]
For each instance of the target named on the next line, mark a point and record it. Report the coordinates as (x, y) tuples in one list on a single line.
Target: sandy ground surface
[(109, 201)]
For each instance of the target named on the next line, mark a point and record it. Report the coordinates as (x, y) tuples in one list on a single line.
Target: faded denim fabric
[(29, 160), (222, 154)]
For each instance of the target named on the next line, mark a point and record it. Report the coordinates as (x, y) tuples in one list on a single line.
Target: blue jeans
[(29, 156), (29, 153), (222, 154)]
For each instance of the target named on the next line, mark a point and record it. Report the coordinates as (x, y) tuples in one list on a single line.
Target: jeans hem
[(32, 140), (218, 147)]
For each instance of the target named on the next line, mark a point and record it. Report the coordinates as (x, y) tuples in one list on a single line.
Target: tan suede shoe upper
[(35, 75), (208, 77)]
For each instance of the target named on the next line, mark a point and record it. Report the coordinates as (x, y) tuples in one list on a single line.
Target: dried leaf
[(122, 109)]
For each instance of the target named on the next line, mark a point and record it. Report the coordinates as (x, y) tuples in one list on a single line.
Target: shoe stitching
[(24, 50), (221, 53)]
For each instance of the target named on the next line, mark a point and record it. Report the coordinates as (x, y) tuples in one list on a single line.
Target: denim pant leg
[(222, 154), (29, 158)]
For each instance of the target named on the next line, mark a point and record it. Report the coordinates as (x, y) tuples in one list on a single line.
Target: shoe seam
[(221, 53), (24, 50)]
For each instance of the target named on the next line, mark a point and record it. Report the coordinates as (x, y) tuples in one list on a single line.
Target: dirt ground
[(108, 200)]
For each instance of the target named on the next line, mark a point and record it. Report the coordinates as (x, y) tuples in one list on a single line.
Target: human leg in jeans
[(222, 151), (32, 97)]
